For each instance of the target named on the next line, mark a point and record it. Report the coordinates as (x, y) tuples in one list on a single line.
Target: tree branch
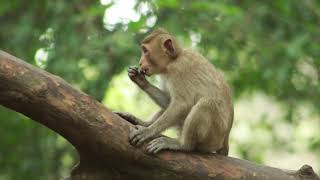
[(101, 137)]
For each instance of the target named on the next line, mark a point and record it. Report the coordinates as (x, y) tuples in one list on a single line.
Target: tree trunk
[(101, 137)]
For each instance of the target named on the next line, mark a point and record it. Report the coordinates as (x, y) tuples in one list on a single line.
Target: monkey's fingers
[(141, 140), (138, 136), (132, 74), (136, 139), (133, 68), (151, 147), (155, 149), (133, 71), (158, 149), (152, 143), (135, 135), (132, 133)]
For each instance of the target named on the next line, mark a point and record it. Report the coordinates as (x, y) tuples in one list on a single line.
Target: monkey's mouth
[(144, 72)]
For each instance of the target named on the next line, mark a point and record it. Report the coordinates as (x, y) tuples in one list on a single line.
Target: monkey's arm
[(154, 117), (158, 96), (169, 118)]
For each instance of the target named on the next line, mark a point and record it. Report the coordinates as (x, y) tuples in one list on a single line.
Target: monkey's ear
[(170, 47)]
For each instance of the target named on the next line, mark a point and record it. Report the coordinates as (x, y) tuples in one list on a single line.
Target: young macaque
[(194, 97)]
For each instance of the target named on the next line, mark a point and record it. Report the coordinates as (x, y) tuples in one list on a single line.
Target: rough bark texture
[(101, 137)]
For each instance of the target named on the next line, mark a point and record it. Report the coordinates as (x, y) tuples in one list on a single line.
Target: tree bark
[(101, 137)]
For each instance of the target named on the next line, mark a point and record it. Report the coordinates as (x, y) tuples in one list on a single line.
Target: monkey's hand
[(140, 134), (137, 77)]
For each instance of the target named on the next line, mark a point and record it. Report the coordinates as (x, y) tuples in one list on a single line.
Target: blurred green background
[(269, 51)]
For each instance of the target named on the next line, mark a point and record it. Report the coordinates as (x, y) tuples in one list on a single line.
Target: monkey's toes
[(155, 146)]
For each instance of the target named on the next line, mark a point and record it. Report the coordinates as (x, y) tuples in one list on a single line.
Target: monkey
[(194, 97)]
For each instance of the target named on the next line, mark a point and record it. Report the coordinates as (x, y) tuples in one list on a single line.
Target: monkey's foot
[(162, 143)]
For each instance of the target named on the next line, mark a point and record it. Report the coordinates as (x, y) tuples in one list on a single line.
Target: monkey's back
[(192, 77)]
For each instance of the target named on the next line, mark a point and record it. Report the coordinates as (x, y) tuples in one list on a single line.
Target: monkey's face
[(157, 54), (153, 59)]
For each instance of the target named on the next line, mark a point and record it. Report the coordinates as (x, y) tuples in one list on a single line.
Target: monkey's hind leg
[(203, 130), (187, 138), (195, 132), (225, 148)]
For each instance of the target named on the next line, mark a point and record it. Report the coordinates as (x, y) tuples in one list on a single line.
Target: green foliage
[(269, 52)]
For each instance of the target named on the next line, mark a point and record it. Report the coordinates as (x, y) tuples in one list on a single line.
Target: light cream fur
[(204, 97), (194, 96)]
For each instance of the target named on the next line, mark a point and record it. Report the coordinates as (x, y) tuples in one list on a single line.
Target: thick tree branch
[(101, 137)]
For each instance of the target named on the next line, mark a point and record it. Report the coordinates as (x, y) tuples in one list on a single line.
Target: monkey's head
[(158, 49)]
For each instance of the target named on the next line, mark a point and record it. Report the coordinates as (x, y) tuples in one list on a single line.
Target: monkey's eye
[(144, 49)]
